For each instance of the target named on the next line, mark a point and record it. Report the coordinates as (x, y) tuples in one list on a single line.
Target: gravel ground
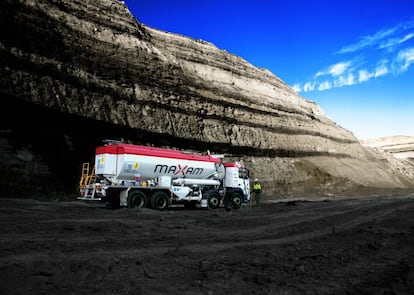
[(337, 246)]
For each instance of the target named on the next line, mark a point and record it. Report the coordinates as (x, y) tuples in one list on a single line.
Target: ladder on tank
[(87, 178)]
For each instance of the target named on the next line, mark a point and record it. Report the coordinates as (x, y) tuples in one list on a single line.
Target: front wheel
[(159, 201), (236, 200)]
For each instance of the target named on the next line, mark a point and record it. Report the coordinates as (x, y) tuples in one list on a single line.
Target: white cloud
[(345, 80), (364, 75), (367, 41), (381, 69), (309, 86), (396, 41), (379, 37), (297, 88), (339, 68), (406, 38), (320, 73), (403, 60), (326, 85), (382, 53), (335, 69)]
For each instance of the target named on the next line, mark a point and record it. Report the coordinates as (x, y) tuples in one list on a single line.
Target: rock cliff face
[(76, 72), (402, 147)]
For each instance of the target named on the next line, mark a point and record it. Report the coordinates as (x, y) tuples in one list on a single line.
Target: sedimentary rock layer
[(401, 147), (88, 70)]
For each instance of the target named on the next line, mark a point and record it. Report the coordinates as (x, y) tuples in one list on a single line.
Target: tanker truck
[(126, 175)]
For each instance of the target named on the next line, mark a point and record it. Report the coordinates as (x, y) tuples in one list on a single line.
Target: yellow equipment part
[(87, 176)]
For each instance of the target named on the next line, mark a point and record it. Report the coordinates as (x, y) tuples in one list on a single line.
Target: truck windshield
[(243, 173)]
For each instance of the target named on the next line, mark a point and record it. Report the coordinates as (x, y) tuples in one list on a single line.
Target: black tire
[(137, 199), (159, 201), (214, 200), (236, 200)]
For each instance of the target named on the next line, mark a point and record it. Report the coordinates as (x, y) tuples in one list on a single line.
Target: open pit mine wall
[(74, 72)]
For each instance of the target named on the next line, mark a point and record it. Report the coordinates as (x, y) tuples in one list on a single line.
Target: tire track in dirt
[(350, 218), (358, 220)]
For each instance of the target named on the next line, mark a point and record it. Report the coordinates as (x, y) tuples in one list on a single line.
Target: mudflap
[(228, 203), (112, 199)]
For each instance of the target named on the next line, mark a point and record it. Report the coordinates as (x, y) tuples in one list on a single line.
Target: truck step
[(89, 199)]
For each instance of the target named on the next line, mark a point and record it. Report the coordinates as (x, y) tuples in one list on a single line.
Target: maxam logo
[(176, 170)]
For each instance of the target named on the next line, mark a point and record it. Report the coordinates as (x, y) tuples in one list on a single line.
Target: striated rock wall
[(76, 72), (402, 147)]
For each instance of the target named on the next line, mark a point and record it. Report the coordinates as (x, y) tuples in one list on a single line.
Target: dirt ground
[(337, 246)]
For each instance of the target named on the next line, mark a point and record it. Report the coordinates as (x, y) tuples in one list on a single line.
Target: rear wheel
[(137, 199), (214, 200), (159, 201)]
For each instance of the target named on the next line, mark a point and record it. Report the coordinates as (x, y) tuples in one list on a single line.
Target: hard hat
[(256, 179)]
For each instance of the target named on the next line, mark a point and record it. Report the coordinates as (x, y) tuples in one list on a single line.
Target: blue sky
[(354, 58)]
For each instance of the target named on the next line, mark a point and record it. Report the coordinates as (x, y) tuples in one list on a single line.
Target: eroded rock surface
[(76, 72), (402, 147)]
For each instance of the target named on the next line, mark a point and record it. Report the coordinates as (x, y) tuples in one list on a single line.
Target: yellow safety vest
[(257, 187)]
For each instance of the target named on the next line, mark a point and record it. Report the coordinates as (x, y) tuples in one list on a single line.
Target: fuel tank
[(128, 162)]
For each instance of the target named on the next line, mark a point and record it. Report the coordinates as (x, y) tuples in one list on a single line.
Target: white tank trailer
[(141, 176)]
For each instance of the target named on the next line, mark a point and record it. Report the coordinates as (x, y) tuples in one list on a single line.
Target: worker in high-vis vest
[(257, 190)]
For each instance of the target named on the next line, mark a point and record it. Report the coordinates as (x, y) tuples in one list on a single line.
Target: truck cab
[(236, 181)]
